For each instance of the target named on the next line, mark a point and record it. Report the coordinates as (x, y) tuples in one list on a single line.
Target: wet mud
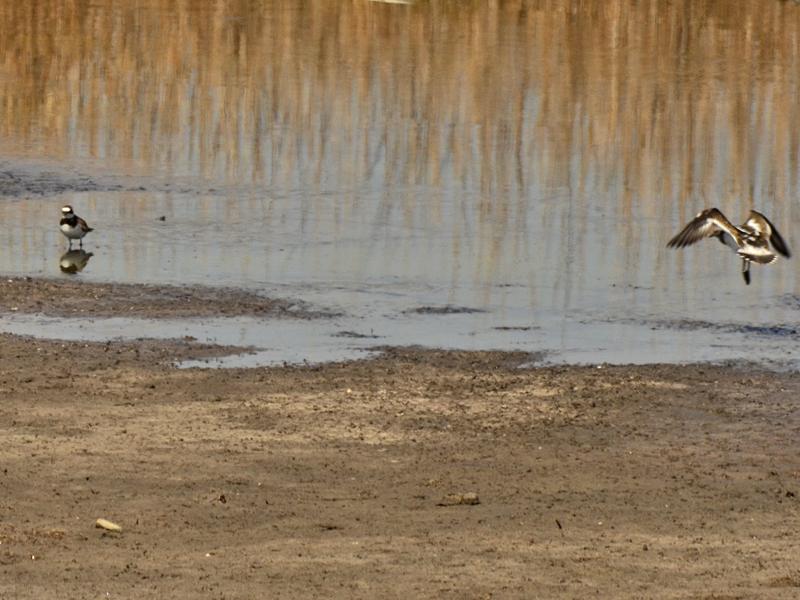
[(777, 330), (23, 178), (72, 297), (16, 182), (444, 310)]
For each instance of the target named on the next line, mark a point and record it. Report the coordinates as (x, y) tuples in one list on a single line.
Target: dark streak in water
[(19, 182), (14, 184), (444, 310), (357, 336), (774, 330)]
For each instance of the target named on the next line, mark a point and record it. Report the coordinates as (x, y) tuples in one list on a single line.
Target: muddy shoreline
[(340, 480), (73, 297), (461, 175)]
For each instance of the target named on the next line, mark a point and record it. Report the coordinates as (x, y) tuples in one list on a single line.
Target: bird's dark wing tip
[(775, 237), (779, 244)]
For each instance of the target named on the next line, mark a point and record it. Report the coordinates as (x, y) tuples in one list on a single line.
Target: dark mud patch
[(96, 356), (356, 335), (71, 298), (444, 310), (780, 330), (515, 328), (25, 179), (15, 182), (768, 330)]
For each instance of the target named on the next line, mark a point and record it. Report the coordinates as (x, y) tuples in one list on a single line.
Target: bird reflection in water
[(74, 261)]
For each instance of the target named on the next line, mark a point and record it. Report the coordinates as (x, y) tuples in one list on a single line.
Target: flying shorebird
[(73, 226), (754, 240)]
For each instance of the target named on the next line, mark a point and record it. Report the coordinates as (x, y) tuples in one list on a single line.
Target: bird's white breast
[(74, 233)]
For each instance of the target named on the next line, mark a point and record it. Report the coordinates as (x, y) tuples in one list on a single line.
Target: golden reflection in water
[(646, 110)]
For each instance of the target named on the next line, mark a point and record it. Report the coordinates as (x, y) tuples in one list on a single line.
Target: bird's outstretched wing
[(762, 224), (710, 222)]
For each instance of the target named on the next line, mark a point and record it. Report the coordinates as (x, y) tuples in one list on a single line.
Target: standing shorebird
[(754, 240), (73, 226)]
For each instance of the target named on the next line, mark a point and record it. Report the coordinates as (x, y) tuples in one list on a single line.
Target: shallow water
[(345, 338), (528, 160)]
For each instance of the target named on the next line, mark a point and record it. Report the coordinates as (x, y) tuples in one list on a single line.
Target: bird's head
[(66, 210)]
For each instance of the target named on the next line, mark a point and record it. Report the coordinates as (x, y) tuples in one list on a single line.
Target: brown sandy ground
[(620, 482), (71, 297)]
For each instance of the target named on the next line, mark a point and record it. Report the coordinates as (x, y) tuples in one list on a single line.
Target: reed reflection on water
[(465, 145)]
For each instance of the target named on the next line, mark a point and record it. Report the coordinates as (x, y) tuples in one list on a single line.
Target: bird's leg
[(746, 270)]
